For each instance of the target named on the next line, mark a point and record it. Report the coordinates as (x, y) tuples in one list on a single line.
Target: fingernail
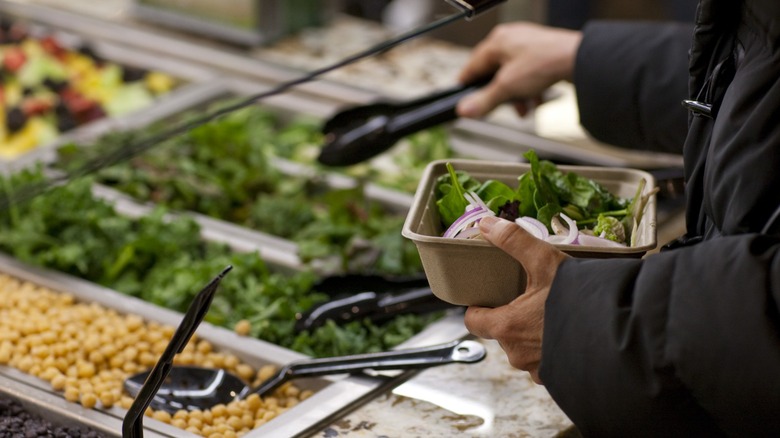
[(486, 223), (468, 107)]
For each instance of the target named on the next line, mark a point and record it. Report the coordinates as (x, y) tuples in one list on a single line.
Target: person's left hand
[(518, 326)]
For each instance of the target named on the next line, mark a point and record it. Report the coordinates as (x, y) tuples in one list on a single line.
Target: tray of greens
[(240, 169)]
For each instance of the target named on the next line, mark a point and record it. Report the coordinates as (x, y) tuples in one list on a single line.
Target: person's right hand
[(525, 59)]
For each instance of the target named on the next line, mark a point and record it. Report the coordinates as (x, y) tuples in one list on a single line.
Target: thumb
[(539, 258), (508, 236), (480, 103)]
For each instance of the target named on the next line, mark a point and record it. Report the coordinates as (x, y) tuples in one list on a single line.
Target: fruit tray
[(60, 85), (331, 396)]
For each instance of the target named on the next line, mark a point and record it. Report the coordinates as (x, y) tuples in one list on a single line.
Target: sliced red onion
[(533, 226), (475, 199), (475, 211), (569, 239)]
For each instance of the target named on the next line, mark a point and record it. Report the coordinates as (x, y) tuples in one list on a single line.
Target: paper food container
[(474, 272)]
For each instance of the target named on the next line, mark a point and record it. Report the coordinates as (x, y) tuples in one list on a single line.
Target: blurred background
[(564, 13)]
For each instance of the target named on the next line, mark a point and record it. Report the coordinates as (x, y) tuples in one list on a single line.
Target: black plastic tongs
[(377, 298), (359, 133)]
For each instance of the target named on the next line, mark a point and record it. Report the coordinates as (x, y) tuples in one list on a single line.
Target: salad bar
[(97, 272)]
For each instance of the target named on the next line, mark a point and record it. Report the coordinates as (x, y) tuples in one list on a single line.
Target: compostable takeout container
[(475, 272)]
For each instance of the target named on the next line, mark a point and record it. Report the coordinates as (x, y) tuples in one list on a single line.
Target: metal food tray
[(333, 396), (191, 75)]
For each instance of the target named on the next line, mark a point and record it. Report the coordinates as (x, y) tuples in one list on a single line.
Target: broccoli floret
[(610, 228)]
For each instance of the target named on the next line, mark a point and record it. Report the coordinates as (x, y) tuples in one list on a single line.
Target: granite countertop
[(488, 399)]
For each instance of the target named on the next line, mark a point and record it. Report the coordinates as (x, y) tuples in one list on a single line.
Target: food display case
[(209, 75)]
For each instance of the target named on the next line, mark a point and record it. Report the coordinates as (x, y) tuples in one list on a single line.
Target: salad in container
[(584, 211)]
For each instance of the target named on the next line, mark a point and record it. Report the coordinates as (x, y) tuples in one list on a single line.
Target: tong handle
[(472, 8), (429, 111), (413, 358)]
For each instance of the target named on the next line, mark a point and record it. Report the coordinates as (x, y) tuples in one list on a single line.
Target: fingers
[(480, 103), (539, 259), (510, 237), (478, 321)]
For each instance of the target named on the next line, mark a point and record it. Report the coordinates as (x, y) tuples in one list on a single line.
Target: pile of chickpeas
[(86, 351)]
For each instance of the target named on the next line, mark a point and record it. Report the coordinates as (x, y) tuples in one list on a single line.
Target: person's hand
[(518, 326), (525, 58)]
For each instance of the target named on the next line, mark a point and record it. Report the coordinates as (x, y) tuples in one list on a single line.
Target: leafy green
[(542, 193), (225, 170)]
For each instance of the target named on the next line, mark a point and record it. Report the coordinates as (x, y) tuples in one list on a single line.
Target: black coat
[(685, 342)]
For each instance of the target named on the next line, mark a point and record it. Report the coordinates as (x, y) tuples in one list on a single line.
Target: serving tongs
[(373, 297), (360, 133), (132, 425), (198, 388)]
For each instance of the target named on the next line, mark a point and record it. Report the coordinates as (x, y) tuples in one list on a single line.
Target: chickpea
[(195, 422), (71, 394), (265, 372), (85, 369), (248, 420), (58, 382), (254, 402), (245, 371), (162, 416), (234, 410), (205, 347), (243, 327), (235, 422), (292, 391), (88, 400), (107, 399), (219, 410), (231, 361), (125, 402)]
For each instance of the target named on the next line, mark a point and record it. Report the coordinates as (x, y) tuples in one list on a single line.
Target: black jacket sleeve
[(631, 79), (681, 343)]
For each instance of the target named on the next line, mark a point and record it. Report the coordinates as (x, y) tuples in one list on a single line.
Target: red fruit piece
[(35, 106), (13, 59), (52, 46)]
